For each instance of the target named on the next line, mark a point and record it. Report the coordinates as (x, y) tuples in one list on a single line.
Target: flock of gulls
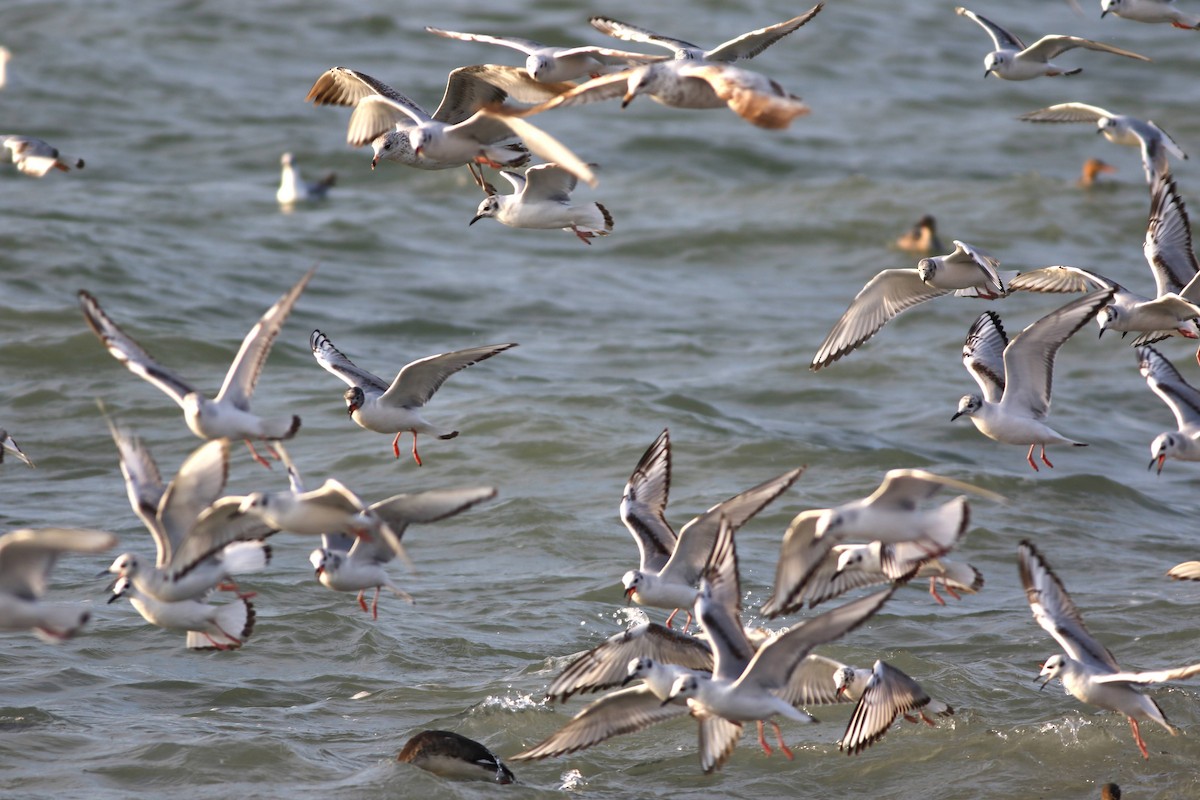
[(725, 674)]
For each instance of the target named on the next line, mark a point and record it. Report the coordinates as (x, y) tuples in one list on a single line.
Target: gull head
[(843, 681), (386, 146), (1050, 670), (1163, 447), (641, 80), (685, 686), (1107, 317), (1109, 5), (354, 400), (968, 404), (254, 502), (537, 65), (926, 269), (631, 581), (995, 63), (637, 668), (851, 559), (317, 559), (286, 159), (126, 565), (488, 208)]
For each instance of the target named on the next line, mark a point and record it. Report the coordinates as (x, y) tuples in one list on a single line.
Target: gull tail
[(244, 557), (233, 625), (280, 428), (61, 622), (947, 526)]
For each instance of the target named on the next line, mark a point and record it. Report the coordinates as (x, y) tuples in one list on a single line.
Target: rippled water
[(734, 252)]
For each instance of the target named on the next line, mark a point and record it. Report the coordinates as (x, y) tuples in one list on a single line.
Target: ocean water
[(735, 250)]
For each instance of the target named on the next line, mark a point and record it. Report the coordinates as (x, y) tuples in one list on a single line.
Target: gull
[(1013, 61), (467, 127), (547, 64), (966, 271), (748, 45), (1150, 11), (1015, 377), (26, 558), (884, 693), (293, 188), (1088, 670), (687, 83), (1184, 401), (8, 444), (452, 755), (208, 627), (201, 540), (1153, 141), (346, 563), (889, 516), (36, 157), (922, 238), (1090, 172), (228, 415), (670, 566), (376, 406), (542, 199)]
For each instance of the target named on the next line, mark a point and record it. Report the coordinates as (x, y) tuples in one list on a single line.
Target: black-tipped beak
[(668, 700), (104, 572), (1160, 460), (957, 414), (114, 598), (374, 161), (1103, 12), (475, 219)]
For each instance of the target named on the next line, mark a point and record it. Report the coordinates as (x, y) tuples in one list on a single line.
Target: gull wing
[(537, 140), (827, 581), (123, 348), (526, 46), (983, 354), (644, 505), (968, 254), (903, 489), (27, 556), (469, 89), (197, 485), (549, 182), (248, 363), (1061, 279), (748, 45), (417, 381), (1048, 47), (143, 486), (756, 99), (8, 444), (812, 682), (801, 556), (718, 738), (1068, 112), (217, 526), (402, 510), (1001, 39), (384, 108), (889, 693), (624, 711), (334, 361), (606, 87), (719, 605), (696, 539), (1168, 245), (1029, 358), (1158, 676), (607, 665), (885, 296), (1053, 610), (1165, 381), (632, 33)]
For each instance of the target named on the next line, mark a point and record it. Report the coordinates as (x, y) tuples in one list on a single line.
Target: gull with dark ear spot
[(1015, 377), (1088, 670), (542, 200), (396, 408), (1151, 11), (1184, 401), (1013, 61), (227, 415), (968, 271), (36, 157), (1153, 141), (884, 693)]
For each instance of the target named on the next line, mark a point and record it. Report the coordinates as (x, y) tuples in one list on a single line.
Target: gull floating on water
[(9, 445), (1015, 377), (547, 64), (376, 406), (36, 157), (1184, 401), (228, 415), (467, 127), (1153, 141), (884, 693), (542, 199), (1013, 61), (26, 559), (1150, 11), (968, 271), (294, 189), (1088, 670)]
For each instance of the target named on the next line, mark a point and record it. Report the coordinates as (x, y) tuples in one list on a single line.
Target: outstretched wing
[(748, 45), (983, 354), (334, 361), (1001, 39), (418, 381)]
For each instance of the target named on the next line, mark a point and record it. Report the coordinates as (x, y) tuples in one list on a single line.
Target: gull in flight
[(1013, 61), (26, 559), (1087, 669), (376, 406), (1151, 11), (1184, 401), (541, 198), (208, 627), (1153, 141), (968, 271), (9, 445), (36, 157), (293, 188), (468, 126), (1015, 377), (228, 415), (547, 64), (884, 693)]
